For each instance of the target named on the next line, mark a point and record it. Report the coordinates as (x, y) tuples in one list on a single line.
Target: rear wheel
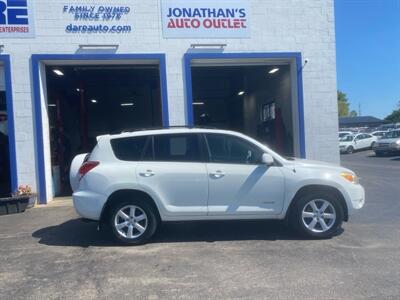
[(132, 222), (317, 215), (350, 149)]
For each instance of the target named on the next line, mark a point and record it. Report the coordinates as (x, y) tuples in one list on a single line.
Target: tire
[(303, 217), (350, 150), (140, 215), (378, 153)]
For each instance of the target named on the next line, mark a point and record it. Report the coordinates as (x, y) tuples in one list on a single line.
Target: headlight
[(398, 142), (350, 177)]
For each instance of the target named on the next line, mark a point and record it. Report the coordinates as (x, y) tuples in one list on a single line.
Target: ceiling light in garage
[(127, 104), (78, 90), (274, 70), (241, 93), (52, 105), (93, 101), (58, 72), (198, 103)]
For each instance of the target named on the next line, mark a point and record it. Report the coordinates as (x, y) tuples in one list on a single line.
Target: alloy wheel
[(130, 221), (318, 215)]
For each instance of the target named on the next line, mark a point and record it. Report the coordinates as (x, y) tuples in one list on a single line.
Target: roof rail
[(167, 127)]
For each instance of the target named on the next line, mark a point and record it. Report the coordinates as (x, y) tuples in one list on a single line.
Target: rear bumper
[(88, 204)]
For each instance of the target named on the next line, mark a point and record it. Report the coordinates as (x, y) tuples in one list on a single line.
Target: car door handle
[(148, 173), (217, 174)]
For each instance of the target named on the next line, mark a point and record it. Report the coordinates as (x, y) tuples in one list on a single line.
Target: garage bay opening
[(256, 99), (5, 178), (85, 101)]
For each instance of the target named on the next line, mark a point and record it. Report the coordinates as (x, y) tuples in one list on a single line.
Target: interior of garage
[(253, 99), (85, 101), (5, 180)]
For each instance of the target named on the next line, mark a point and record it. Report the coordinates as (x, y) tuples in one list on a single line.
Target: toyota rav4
[(132, 181)]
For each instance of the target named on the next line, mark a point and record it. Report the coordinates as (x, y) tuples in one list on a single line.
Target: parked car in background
[(344, 133), (133, 181), (389, 143), (379, 134), (392, 126), (360, 141)]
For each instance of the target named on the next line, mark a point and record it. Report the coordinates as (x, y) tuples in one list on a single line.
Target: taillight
[(86, 167)]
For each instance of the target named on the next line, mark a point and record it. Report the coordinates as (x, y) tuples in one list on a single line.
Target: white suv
[(133, 181)]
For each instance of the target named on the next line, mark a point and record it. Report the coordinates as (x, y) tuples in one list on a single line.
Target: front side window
[(393, 134), (130, 148), (231, 149), (177, 147), (347, 138)]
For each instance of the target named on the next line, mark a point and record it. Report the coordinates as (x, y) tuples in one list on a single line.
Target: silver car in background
[(389, 143)]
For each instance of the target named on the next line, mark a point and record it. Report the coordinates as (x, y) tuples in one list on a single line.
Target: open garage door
[(85, 101), (5, 178), (257, 98)]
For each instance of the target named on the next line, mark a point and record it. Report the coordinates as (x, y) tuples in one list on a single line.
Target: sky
[(368, 54)]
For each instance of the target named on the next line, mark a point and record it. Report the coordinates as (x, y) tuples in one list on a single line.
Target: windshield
[(347, 138), (392, 135), (342, 134)]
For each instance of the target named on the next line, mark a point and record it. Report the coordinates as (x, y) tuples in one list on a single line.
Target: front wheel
[(132, 222), (350, 149), (317, 215)]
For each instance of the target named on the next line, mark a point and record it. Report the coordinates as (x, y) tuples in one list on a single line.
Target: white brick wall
[(305, 26)]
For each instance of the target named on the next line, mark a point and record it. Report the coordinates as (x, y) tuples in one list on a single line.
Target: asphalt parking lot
[(49, 252)]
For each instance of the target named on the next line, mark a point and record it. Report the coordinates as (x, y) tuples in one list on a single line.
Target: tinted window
[(392, 134), (230, 149), (129, 149), (177, 147), (148, 150), (347, 138), (378, 134), (359, 137)]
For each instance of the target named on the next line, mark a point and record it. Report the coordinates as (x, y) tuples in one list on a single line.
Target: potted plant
[(22, 199)]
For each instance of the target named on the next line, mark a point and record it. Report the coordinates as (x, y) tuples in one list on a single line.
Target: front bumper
[(355, 198), (343, 149), (387, 148)]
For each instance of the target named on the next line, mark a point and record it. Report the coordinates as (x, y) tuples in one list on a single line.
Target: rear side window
[(177, 147), (130, 148)]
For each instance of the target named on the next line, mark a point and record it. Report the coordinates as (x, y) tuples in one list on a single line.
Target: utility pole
[(359, 109)]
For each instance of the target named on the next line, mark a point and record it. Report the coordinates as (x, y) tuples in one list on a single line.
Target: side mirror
[(267, 159)]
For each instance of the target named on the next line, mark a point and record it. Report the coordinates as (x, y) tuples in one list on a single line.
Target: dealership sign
[(206, 19), (16, 18), (97, 18)]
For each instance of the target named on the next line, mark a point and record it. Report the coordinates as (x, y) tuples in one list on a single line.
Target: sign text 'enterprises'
[(16, 18)]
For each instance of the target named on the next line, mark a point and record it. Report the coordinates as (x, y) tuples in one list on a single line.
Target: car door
[(364, 141), (358, 142), (238, 183), (176, 173), (369, 139)]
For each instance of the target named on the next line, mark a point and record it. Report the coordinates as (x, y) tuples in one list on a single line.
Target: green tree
[(353, 113), (343, 104), (394, 117)]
